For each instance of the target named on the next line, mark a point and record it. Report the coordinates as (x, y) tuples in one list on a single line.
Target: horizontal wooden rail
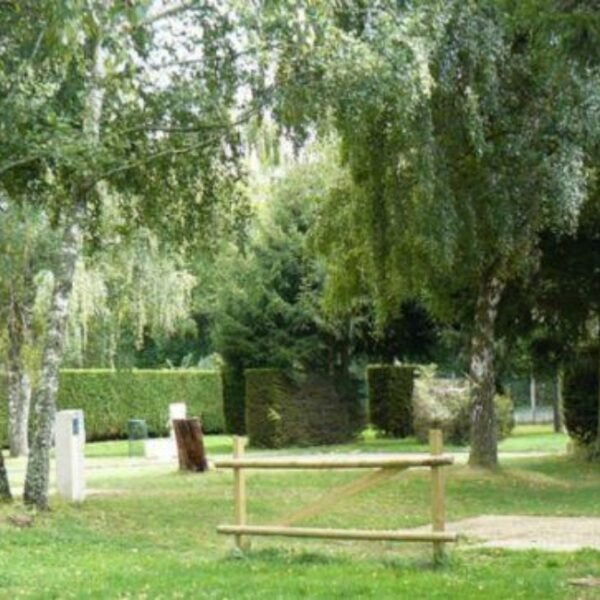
[(345, 462), (387, 466), (339, 534)]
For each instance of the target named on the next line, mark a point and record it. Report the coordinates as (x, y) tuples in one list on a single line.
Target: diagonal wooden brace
[(338, 494)]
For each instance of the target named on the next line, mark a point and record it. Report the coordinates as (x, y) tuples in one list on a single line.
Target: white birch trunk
[(19, 386), (484, 442), (5, 495), (38, 466)]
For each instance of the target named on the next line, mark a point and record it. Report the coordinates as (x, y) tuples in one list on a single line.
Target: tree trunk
[(533, 397), (19, 388), (598, 414), (484, 444), (557, 407), (38, 465), (5, 495), (190, 445)]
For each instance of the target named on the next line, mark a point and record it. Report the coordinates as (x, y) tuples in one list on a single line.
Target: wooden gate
[(386, 465)]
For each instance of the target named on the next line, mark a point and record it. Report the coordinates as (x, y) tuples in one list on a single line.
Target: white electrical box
[(70, 449)]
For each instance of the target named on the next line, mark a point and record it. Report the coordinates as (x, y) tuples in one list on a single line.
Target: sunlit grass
[(150, 532), (525, 438)]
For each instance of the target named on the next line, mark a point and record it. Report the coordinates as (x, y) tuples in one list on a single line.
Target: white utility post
[(177, 410), (69, 448)]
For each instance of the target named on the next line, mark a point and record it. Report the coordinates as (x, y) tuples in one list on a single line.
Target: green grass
[(525, 438), (535, 438), (214, 444), (150, 533)]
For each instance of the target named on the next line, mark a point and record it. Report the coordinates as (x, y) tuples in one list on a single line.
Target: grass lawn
[(525, 438), (150, 533)]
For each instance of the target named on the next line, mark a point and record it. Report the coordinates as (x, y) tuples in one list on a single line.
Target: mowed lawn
[(150, 533)]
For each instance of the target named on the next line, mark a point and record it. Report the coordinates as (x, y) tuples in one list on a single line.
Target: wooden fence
[(386, 465)]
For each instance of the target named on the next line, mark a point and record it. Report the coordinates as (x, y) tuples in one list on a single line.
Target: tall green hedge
[(390, 398), (110, 398), (581, 397), (305, 410), (234, 399)]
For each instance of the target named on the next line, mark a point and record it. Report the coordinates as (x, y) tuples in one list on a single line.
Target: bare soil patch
[(518, 532)]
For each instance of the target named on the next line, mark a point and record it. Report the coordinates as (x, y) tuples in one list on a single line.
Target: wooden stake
[(436, 444), (190, 445), (242, 543)]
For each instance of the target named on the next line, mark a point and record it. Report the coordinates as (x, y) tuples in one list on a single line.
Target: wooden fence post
[(190, 445), (239, 486), (436, 444)]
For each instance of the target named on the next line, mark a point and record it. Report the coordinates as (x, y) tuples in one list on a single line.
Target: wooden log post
[(436, 444), (242, 542), (190, 445)]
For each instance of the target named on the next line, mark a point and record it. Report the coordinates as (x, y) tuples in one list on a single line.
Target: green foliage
[(267, 314), (269, 303), (582, 398), (446, 404), (390, 398), (267, 391), (80, 104), (110, 398), (505, 415), (466, 131), (306, 410), (234, 399), (134, 290)]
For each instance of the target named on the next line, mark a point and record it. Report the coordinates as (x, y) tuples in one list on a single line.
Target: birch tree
[(26, 247), (462, 128), (134, 288), (101, 95)]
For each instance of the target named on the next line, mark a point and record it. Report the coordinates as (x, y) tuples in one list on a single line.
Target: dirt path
[(517, 532)]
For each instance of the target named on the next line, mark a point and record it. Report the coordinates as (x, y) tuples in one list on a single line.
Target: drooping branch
[(167, 12)]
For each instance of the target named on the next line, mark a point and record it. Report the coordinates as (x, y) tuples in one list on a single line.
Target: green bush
[(304, 410), (110, 398), (234, 400), (266, 393), (390, 398), (446, 404), (580, 395)]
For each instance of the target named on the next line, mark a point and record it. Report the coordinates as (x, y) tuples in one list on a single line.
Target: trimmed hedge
[(234, 400), (581, 398), (390, 398), (110, 398), (312, 409)]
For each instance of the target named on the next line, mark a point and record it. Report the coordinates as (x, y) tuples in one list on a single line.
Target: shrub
[(110, 398), (305, 410), (390, 398), (446, 404), (505, 415), (234, 399), (581, 398)]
